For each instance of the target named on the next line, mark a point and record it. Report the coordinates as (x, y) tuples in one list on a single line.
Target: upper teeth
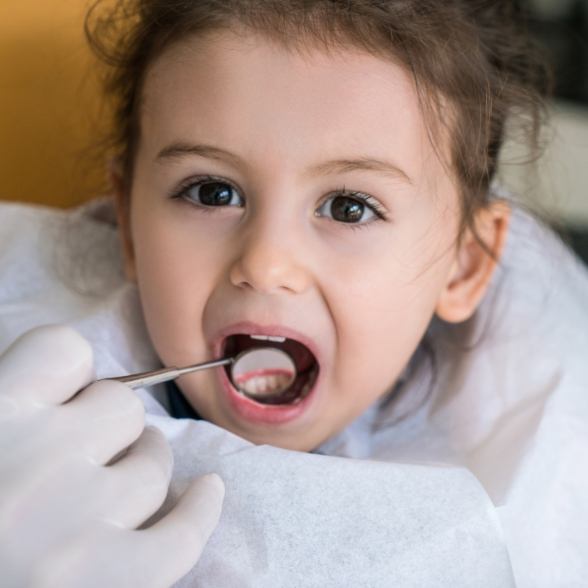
[(268, 338)]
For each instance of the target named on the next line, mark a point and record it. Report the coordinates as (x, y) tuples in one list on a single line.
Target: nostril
[(269, 270)]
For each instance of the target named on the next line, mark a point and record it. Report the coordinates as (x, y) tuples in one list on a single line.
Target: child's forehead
[(230, 51), (226, 84)]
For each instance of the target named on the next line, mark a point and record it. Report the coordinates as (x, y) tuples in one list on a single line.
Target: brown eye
[(347, 209), (212, 193)]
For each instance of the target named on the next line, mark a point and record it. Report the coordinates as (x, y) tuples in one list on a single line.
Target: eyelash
[(372, 203)]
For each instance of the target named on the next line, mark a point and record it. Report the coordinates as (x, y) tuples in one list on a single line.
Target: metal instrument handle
[(144, 379)]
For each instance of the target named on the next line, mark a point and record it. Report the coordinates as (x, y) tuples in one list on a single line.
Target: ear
[(122, 203), (473, 267)]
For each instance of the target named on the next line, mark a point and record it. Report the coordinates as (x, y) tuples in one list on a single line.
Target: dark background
[(561, 29)]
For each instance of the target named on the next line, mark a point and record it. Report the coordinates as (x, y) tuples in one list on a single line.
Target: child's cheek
[(172, 275)]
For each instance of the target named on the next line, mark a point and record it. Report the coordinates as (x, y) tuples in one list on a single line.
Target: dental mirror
[(263, 372), (258, 373)]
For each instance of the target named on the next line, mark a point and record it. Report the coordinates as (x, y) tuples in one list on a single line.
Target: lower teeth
[(268, 390), (303, 392), (260, 386)]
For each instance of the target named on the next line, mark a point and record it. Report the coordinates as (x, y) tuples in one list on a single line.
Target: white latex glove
[(66, 517)]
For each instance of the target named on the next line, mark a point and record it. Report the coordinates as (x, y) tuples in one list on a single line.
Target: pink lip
[(249, 409)]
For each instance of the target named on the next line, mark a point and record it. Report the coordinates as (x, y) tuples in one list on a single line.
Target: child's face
[(275, 251)]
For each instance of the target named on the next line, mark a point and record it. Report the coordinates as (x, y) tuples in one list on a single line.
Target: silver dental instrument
[(243, 364)]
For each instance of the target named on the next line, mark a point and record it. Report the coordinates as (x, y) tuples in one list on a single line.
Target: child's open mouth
[(265, 384)]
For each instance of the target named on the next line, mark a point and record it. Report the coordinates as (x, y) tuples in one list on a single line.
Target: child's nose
[(270, 261)]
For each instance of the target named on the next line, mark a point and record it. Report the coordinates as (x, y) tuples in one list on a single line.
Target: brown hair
[(472, 55)]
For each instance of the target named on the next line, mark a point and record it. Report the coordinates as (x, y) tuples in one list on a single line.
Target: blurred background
[(561, 186), (50, 111), (51, 114)]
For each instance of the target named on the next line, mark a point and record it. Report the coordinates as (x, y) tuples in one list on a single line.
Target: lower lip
[(264, 413)]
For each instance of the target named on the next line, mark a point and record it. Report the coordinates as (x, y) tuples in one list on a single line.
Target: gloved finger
[(36, 507), (137, 484), (101, 421), (47, 365), (153, 558), (182, 533)]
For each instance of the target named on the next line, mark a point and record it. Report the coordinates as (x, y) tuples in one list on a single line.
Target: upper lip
[(251, 328)]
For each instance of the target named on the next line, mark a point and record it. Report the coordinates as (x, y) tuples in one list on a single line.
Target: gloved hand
[(71, 497)]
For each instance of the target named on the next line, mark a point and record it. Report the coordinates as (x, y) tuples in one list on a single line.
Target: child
[(321, 173)]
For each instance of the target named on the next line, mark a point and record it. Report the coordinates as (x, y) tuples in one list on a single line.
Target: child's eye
[(210, 192), (352, 208)]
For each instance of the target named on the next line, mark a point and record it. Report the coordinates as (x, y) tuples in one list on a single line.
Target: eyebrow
[(181, 150)]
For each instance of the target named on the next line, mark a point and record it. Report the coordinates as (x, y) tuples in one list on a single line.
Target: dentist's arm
[(79, 473)]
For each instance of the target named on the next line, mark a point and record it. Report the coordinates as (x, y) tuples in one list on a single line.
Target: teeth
[(259, 388), (264, 385), (304, 390), (268, 338)]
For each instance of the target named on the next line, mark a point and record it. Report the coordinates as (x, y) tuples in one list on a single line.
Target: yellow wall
[(49, 106)]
